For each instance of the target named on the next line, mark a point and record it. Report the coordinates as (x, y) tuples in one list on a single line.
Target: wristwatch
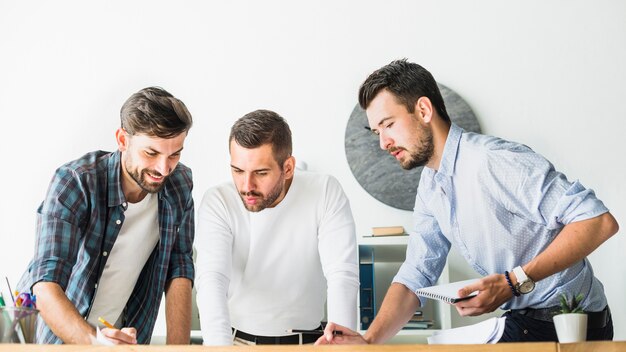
[(524, 284)]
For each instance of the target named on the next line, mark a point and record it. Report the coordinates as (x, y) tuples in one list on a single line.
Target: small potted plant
[(571, 321)]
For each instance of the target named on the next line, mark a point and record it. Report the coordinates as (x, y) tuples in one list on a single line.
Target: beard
[(421, 151), (264, 201), (140, 178)]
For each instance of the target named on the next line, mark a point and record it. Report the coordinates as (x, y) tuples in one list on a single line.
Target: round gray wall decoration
[(377, 171)]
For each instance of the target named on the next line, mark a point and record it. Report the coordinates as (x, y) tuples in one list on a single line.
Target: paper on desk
[(100, 339), (488, 331)]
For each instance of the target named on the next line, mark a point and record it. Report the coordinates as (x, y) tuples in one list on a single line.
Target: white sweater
[(270, 271)]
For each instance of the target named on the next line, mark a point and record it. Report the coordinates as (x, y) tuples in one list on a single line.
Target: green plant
[(571, 306)]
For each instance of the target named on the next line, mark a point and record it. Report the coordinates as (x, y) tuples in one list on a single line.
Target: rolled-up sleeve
[(59, 221), (181, 260), (539, 193), (426, 252)]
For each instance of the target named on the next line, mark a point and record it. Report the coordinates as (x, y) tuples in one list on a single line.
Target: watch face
[(526, 286)]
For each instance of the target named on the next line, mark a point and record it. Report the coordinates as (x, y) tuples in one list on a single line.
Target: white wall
[(547, 74)]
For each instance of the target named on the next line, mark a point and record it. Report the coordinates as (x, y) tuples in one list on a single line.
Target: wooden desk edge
[(604, 346), (508, 347)]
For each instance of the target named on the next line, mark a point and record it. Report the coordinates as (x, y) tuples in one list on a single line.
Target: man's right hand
[(125, 336), (347, 337)]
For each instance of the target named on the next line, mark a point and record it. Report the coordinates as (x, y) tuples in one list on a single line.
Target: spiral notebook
[(447, 292)]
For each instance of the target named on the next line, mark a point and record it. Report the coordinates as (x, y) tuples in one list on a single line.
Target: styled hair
[(407, 82), (261, 127), (155, 112)]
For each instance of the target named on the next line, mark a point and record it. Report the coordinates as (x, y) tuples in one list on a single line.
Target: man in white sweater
[(274, 245)]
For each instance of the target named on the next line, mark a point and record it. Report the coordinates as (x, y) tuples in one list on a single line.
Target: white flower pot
[(571, 327)]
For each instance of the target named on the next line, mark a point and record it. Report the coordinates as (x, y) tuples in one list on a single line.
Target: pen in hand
[(106, 323), (125, 335)]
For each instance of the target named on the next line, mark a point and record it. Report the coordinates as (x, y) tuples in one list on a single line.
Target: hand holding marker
[(125, 335)]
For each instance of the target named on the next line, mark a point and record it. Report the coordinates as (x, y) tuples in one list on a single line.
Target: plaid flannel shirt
[(80, 219)]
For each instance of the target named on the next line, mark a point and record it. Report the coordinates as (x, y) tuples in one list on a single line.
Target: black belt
[(595, 320), (280, 340)]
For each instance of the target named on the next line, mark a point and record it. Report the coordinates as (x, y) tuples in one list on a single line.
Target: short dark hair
[(408, 82), (261, 127), (155, 112)]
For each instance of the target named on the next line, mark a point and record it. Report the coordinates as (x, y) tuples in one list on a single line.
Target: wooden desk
[(593, 346), (509, 347), (600, 346)]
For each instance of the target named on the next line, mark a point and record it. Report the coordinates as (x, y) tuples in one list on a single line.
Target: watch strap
[(520, 274)]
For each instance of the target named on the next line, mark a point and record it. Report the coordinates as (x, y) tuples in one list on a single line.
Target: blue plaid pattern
[(80, 219)]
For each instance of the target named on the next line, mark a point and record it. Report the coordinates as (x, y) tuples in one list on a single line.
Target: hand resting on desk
[(347, 337)]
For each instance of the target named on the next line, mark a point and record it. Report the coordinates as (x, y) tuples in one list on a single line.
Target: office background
[(549, 74)]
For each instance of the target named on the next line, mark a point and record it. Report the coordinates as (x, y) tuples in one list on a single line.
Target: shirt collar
[(114, 186), (448, 158)]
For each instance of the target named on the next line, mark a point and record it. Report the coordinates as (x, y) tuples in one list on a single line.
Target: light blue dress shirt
[(500, 204)]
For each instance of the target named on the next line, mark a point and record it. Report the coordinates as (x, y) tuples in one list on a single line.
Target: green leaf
[(572, 306)]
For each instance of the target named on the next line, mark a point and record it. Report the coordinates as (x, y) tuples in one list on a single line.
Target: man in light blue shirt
[(515, 219)]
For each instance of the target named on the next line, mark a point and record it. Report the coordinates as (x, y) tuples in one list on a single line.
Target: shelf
[(386, 254), (383, 240), (389, 253)]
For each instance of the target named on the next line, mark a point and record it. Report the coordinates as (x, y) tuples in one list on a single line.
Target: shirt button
[(124, 204), (105, 253), (118, 221)]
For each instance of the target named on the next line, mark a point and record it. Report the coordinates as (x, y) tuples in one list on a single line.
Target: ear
[(289, 166), (121, 136), (424, 109)]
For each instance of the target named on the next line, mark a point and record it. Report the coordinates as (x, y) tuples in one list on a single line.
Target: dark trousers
[(519, 327)]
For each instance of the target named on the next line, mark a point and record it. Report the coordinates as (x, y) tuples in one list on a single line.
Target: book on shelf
[(417, 317), (388, 231), (424, 324), (367, 290)]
